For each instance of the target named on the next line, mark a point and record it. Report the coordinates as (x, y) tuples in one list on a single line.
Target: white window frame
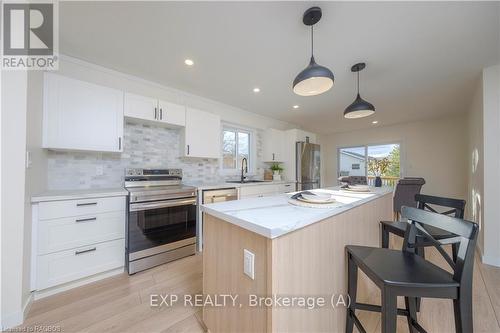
[(251, 153), (366, 145)]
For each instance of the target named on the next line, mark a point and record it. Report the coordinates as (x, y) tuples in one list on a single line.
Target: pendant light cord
[(312, 40), (358, 82)]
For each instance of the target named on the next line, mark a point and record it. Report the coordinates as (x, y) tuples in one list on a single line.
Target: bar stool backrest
[(466, 232), (457, 205), (405, 191)]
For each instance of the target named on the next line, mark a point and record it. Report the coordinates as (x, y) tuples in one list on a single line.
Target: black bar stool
[(405, 273), (454, 207)]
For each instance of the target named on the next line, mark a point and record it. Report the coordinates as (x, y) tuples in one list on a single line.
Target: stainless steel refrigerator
[(308, 166)]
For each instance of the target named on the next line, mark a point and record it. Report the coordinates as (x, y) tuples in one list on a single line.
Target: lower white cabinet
[(263, 190), (60, 267), (77, 238), (72, 232)]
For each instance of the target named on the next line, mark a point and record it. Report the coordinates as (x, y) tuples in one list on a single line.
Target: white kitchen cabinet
[(155, 110), (171, 113), (264, 190), (273, 145), (80, 238), (60, 267), (301, 135), (202, 134), (81, 116), (141, 107)]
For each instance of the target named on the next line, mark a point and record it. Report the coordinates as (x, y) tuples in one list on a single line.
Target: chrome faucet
[(244, 162)]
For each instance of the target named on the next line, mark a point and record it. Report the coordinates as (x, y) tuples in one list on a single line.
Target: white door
[(171, 113), (202, 134), (81, 115), (141, 107)]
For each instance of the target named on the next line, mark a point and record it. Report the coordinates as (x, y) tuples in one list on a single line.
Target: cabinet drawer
[(71, 232), (65, 266), (255, 190), (285, 188), (68, 208)]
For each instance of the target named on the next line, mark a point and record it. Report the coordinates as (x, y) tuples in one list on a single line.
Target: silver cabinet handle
[(119, 143), (85, 251), (161, 114), (188, 149), (136, 207), (86, 220), (273, 156), (156, 111), (86, 204)]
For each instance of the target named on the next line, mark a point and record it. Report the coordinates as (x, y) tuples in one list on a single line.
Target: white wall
[(474, 210), (433, 149), (36, 174), (13, 144), (491, 146)]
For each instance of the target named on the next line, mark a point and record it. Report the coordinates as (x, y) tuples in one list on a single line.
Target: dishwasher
[(212, 196)]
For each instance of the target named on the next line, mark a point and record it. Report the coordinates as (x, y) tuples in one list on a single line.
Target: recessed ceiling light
[(295, 106), (375, 122), (256, 90), (189, 62)]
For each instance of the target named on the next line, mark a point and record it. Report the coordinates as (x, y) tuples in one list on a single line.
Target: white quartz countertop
[(274, 216), (78, 194), (217, 185)]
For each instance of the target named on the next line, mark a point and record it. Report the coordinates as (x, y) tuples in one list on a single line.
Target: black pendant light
[(314, 79), (359, 108)]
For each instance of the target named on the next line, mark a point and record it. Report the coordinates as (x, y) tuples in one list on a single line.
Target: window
[(236, 145), (371, 161)]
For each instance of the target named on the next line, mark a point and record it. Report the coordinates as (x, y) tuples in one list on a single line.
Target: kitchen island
[(298, 255)]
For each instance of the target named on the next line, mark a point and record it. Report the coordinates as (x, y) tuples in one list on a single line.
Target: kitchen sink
[(247, 181)]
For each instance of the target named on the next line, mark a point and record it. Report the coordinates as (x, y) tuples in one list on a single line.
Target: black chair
[(353, 180), (405, 273), (404, 193), (423, 202)]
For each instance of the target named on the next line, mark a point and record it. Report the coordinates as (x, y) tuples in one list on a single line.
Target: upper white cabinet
[(172, 113), (202, 134), (82, 116), (296, 135), (273, 145), (152, 109), (141, 107)]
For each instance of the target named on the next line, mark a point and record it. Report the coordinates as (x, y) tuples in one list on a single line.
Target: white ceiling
[(423, 59)]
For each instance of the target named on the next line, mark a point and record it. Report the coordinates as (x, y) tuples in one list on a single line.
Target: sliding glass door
[(371, 161), (352, 161)]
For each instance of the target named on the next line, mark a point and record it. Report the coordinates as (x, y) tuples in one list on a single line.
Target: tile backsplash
[(145, 145)]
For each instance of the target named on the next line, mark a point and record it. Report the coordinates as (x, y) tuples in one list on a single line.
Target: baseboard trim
[(489, 260), (39, 294), (17, 318)]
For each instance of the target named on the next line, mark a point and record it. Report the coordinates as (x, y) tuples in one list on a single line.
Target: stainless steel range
[(161, 223)]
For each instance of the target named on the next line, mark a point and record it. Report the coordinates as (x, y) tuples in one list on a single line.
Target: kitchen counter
[(273, 216), (78, 194), (268, 248), (223, 184)]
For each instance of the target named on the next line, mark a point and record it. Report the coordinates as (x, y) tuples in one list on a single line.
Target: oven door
[(154, 224)]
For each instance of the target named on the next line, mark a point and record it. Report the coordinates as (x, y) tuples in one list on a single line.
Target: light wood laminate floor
[(122, 303)]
